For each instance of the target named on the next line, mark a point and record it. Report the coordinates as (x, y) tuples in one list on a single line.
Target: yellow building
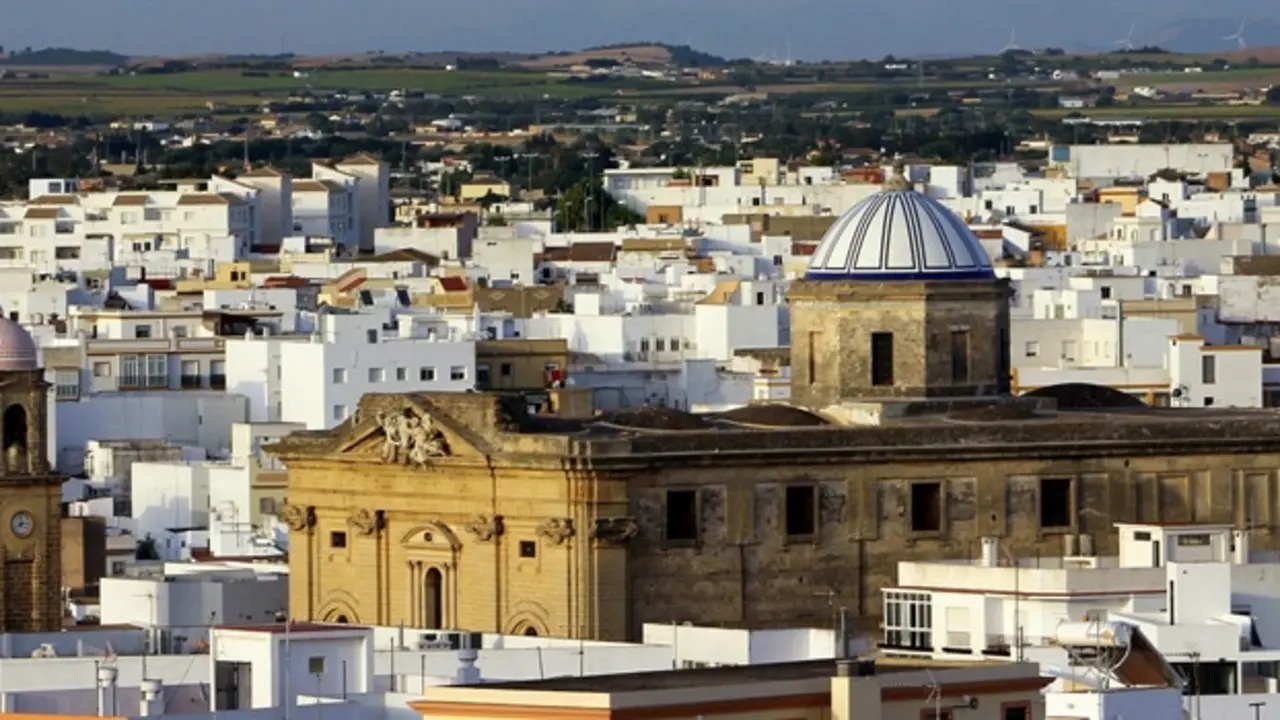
[(480, 186), (470, 511), (760, 171)]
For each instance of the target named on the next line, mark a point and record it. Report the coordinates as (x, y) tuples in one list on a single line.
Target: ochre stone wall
[(832, 324), (582, 547)]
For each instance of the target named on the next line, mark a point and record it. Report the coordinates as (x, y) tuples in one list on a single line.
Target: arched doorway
[(531, 632), (341, 620), (433, 599)]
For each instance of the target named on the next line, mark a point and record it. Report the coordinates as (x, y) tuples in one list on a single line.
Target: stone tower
[(30, 494), (899, 303)]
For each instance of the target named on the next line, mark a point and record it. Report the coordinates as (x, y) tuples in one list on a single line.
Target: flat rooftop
[(712, 677)]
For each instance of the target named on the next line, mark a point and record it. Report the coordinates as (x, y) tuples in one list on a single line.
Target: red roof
[(453, 283), (285, 281)]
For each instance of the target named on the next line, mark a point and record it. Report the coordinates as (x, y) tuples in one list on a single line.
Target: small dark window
[(1208, 369), (528, 549), (1018, 711), (926, 507), (1056, 503), (505, 369), (759, 298), (959, 356), (801, 510), (1142, 536), (881, 358), (1106, 292), (337, 539), (315, 665), (682, 515), (1208, 402)]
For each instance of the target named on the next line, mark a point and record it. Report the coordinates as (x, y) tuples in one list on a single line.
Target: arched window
[(15, 427), (531, 631), (433, 599)]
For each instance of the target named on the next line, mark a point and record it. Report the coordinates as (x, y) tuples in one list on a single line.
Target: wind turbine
[(1126, 43), (1238, 36), (1013, 41)]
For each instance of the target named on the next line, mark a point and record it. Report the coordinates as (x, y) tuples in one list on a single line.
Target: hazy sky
[(817, 29)]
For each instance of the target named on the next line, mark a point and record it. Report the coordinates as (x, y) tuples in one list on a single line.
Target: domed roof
[(899, 235), (17, 349)]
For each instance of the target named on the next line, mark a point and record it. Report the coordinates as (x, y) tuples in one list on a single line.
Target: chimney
[(150, 702), (990, 552), (106, 690)]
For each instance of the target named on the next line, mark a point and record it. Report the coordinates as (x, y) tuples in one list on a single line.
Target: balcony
[(218, 382), (192, 382)]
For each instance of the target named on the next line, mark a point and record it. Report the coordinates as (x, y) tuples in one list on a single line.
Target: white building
[(318, 380)]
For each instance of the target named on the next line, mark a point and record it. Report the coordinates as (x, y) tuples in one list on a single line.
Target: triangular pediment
[(405, 430)]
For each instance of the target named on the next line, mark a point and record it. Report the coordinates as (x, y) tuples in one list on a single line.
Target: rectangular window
[(528, 549), (427, 374), (801, 508), (371, 335), (1015, 711), (402, 374), (102, 369), (1033, 348), (908, 620), (1208, 369), (675, 344), (157, 371), (67, 384), (926, 506), (1197, 540), (959, 356), (814, 344), (660, 345), (191, 374), (179, 331), (1057, 504), (339, 413), (218, 374), (315, 665), (881, 359), (142, 332), (505, 369), (339, 376), (458, 372), (132, 371), (483, 376), (337, 539), (267, 506), (1106, 292), (682, 515), (376, 375)]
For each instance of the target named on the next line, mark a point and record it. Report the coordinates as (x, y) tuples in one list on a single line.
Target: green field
[(194, 91), (1171, 112)]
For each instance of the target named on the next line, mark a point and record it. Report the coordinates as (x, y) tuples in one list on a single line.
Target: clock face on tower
[(22, 524)]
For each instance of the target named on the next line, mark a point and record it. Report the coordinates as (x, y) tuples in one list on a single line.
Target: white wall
[(195, 418)]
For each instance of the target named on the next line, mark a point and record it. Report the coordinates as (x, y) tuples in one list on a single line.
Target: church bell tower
[(30, 493)]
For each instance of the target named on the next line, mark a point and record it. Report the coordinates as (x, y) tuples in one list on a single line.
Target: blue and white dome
[(899, 235)]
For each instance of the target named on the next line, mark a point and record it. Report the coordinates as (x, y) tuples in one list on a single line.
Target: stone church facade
[(463, 511)]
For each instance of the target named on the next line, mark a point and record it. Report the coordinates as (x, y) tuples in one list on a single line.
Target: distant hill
[(56, 57), (656, 55)]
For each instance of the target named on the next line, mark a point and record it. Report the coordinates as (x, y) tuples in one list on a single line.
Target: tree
[(579, 209)]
